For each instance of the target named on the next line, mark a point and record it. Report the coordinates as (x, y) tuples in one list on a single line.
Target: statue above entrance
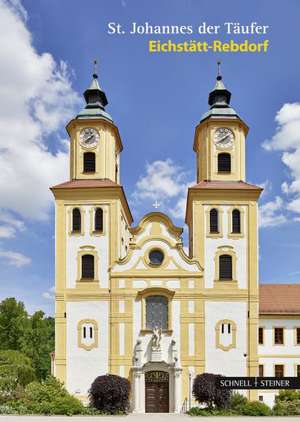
[(156, 339)]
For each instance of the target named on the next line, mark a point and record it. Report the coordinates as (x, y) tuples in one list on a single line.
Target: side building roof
[(279, 299)]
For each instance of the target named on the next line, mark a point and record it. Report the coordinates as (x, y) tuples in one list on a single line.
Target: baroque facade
[(130, 301)]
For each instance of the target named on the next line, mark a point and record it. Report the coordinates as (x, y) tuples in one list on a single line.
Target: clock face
[(89, 137), (224, 137)]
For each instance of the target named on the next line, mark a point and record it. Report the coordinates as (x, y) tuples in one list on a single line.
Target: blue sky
[(46, 51)]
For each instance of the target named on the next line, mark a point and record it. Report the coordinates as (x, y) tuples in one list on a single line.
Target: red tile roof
[(225, 185), (86, 183), (279, 299), (94, 183)]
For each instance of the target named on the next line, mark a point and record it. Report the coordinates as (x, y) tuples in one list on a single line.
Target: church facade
[(131, 302)]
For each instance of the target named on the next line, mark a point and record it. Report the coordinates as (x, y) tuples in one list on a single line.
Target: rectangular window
[(156, 312), (278, 335), (260, 370), (279, 371), (298, 371), (261, 398), (260, 335), (298, 335), (229, 328)]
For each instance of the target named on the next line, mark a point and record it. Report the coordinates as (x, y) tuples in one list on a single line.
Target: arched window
[(213, 221), (156, 312), (76, 220), (225, 267), (99, 220), (224, 162), (87, 267), (87, 334), (89, 162), (236, 221), (87, 331), (226, 334)]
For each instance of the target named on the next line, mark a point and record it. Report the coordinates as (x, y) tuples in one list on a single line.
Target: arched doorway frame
[(139, 385)]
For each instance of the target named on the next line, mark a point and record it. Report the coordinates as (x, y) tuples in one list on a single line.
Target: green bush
[(237, 402), (255, 408), (287, 408), (287, 395), (48, 397), (6, 410), (197, 411), (287, 402)]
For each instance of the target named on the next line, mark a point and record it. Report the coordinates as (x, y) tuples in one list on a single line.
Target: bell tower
[(220, 139), (95, 141), (92, 220), (223, 236)]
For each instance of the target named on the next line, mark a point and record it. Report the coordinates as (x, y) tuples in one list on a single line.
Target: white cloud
[(165, 182), (162, 180), (7, 232), (49, 294), (270, 213), (179, 210), (37, 99), (266, 185), (9, 225), (287, 140), (15, 259)]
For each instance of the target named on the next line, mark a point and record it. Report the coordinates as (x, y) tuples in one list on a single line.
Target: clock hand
[(224, 138), (90, 137)]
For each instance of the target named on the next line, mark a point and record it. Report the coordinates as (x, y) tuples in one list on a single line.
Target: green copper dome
[(95, 102), (219, 101)]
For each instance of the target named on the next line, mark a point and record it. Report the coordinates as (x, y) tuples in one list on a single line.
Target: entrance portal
[(157, 392)]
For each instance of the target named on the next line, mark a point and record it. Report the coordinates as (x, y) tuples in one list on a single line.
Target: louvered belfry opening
[(225, 267), (224, 163), (213, 221), (87, 270), (89, 162), (99, 220), (236, 221), (76, 220)]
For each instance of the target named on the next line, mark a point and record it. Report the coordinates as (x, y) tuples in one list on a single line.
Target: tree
[(205, 390), (13, 322), (16, 371), (110, 393), (38, 342), (31, 335)]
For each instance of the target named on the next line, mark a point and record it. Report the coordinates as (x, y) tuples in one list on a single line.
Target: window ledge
[(148, 331), (215, 235), (87, 283), (225, 284), (76, 233), (97, 232), (235, 235)]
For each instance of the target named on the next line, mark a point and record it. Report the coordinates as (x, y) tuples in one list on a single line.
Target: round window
[(156, 257)]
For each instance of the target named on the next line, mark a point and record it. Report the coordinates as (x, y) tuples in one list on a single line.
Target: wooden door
[(157, 392)]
